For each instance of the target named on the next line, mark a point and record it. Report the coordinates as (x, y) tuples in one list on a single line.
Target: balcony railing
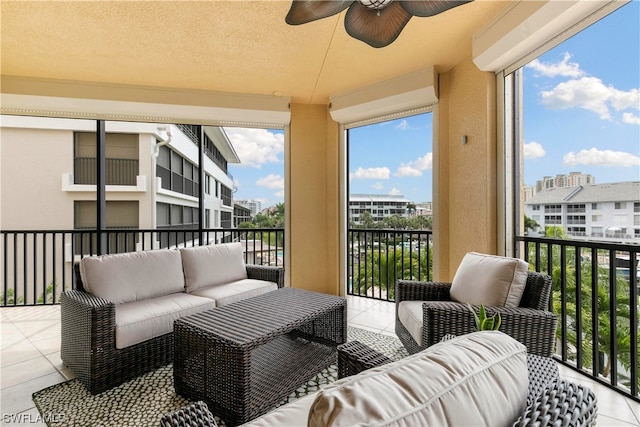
[(37, 265), (377, 258), (595, 295), (117, 171)]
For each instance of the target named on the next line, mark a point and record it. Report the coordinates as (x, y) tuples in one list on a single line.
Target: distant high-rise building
[(254, 205), (561, 180)]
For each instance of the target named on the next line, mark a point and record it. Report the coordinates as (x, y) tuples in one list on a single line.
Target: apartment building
[(380, 206), (609, 212), (151, 174), (255, 206)]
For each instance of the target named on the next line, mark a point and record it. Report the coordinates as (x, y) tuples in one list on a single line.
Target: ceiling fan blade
[(303, 11), (424, 8), (376, 30)]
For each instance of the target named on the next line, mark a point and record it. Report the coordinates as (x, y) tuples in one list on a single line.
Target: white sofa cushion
[(410, 315), (139, 321), (475, 379), (490, 280), (294, 414), (235, 291), (133, 276), (212, 265)]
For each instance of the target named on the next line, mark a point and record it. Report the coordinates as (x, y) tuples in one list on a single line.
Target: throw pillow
[(490, 280)]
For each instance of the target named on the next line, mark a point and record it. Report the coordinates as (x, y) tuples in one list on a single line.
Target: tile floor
[(30, 361)]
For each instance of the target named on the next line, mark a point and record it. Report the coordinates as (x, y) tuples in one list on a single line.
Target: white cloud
[(621, 100), (533, 150), (372, 173), (416, 167), (588, 93), (563, 68), (403, 125), (596, 157), (631, 118), (275, 182), (256, 147), (395, 192), (378, 186)]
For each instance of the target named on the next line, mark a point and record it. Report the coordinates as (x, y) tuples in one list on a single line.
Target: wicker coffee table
[(242, 359)]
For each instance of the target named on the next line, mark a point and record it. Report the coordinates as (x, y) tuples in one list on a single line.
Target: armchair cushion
[(411, 316), (212, 265), (445, 384), (133, 276), (490, 280)]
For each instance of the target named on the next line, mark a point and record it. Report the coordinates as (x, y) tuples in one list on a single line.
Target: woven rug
[(142, 401)]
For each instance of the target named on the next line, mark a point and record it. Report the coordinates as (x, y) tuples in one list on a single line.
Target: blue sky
[(581, 113)]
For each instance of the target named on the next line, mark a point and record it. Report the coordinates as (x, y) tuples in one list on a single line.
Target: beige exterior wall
[(31, 184), (465, 176), (312, 198)]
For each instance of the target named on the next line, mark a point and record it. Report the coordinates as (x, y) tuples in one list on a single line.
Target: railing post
[(101, 205)]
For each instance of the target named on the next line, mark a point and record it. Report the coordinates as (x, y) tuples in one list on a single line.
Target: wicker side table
[(244, 358)]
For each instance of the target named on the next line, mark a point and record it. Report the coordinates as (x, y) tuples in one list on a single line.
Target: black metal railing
[(377, 258), (37, 264), (595, 295), (117, 171)]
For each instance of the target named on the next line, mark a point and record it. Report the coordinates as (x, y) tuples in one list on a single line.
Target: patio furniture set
[(240, 343)]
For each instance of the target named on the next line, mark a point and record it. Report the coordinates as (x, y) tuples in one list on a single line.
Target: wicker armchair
[(88, 337), (551, 401), (531, 323)]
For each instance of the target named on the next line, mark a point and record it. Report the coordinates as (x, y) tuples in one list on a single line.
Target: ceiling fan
[(375, 22)]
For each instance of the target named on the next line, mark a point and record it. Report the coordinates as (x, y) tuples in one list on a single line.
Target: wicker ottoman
[(242, 359)]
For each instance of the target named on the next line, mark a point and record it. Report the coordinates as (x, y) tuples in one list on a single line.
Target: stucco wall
[(312, 199), (465, 175)]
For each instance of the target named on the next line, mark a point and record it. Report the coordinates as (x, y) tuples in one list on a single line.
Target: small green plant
[(484, 323)]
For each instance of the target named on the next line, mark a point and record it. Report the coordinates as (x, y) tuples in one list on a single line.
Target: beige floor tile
[(373, 319), (605, 421), (19, 352), (10, 335), (17, 399), (25, 371), (38, 329), (48, 346)]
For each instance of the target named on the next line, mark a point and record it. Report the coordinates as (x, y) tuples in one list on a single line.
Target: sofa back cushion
[(475, 379), (489, 280), (133, 276), (212, 265)]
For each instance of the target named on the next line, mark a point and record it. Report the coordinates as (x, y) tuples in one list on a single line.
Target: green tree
[(383, 267), (366, 220), (530, 224)]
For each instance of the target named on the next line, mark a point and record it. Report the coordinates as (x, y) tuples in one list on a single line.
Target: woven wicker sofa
[(118, 322), (483, 379)]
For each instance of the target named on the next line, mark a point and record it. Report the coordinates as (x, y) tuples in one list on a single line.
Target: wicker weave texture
[(530, 323), (243, 358), (195, 415)]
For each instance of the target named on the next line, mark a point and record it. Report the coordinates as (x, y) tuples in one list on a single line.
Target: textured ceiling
[(228, 46)]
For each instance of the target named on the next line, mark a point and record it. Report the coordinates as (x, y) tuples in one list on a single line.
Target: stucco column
[(312, 200), (465, 174)]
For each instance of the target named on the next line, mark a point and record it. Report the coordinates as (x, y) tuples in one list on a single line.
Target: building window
[(620, 205), (553, 219), (594, 206), (207, 184), (636, 220), (118, 215), (596, 232), (576, 208), (596, 218), (576, 219), (121, 158), (536, 207), (636, 206), (207, 218), (553, 208), (226, 195), (577, 231), (177, 173)]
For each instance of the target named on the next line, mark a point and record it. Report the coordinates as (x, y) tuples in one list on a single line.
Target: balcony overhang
[(87, 100), (525, 26)]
